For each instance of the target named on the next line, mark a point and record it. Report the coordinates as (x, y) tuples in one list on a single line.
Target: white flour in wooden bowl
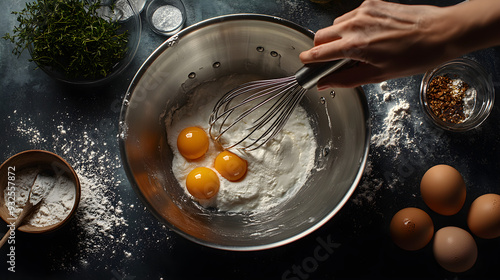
[(58, 194)]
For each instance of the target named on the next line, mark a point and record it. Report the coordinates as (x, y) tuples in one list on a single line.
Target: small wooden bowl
[(43, 160)]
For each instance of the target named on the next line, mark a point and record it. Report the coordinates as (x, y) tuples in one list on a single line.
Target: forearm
[(394, 40)]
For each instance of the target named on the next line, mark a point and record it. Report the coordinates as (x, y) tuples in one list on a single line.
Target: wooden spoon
[(28, 209)]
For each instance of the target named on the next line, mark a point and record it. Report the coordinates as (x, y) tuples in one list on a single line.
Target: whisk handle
[(309, 75)]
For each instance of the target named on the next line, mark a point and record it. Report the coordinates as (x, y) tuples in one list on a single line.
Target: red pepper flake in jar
[(445, 97)]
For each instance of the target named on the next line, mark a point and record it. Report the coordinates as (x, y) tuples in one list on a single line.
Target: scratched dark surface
[(353, 244)]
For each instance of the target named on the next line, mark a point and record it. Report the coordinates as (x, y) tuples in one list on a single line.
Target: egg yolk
[(192, 142), (230, 166), (202, 183)]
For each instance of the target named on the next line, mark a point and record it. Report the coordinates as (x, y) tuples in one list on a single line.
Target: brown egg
[(411, 228), (443, 189), (484, 216), (454, 249)]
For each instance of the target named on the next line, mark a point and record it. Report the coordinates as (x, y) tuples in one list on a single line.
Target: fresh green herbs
[(70, 37)]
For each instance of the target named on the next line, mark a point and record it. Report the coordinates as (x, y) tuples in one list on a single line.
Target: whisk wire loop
[(259, 90), (281, 118), (277, 115), (249, 98), (273, 99)]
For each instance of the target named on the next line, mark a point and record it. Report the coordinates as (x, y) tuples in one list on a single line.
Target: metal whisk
[(264, 106)]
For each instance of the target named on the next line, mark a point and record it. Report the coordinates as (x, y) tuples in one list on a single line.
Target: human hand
[(390, 40)]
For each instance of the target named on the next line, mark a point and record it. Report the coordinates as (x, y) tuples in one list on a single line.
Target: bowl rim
[(170, 43), (490, 94), (74, 177)]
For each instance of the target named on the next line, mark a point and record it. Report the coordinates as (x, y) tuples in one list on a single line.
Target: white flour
[(167, 18), (368, 187), (469, 99), (275, 171), (25, 129), (99, 215), (58, 196), (393, 132), (96, 212), (391, 137)]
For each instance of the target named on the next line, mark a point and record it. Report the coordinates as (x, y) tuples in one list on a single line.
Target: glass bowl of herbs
[(83, 42), (457, 95)]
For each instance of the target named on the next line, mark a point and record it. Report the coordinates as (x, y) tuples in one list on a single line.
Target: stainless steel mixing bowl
[(239, 44)]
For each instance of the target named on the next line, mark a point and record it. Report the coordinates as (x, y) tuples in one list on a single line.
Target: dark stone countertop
[(81, 125)]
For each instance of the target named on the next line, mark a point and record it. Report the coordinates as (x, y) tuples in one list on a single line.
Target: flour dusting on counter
[(275, 171), (393, 131), (99, 216), (391, 136)]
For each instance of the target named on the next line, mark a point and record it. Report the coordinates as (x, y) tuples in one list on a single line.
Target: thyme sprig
[(70, 37)]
